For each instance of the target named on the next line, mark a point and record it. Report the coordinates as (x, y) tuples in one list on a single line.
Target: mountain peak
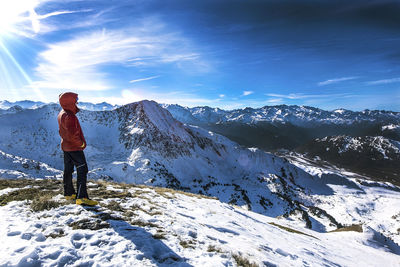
[(162, 119), (146, 123)]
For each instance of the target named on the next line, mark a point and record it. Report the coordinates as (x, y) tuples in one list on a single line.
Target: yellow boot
[(86, 202), (71, 197)]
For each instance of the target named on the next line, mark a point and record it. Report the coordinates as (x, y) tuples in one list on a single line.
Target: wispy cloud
[(275, 101), (77, 63), (246, 93), (221, 96), (337, 80), (144, 79), (306, 96), (386, 81), (172, 97)]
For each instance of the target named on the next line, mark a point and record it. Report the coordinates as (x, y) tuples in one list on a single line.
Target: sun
[(18, 17)]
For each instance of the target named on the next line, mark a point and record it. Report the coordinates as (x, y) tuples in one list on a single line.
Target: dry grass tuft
[(44, 184), (290, 229), (242, 261), (170, 193), (351, 228), (44, 202), (187, 244), (57, 234), (44, 189), (103, 193), (160, 235), (104, 216), (129, 214), (142, 223), (114, 205), (87, 224), (19, 195), (212, 248)]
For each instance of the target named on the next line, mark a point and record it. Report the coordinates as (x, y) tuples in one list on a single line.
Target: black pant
[(77, 159)]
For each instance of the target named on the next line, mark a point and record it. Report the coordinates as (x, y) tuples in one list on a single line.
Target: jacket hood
[(68, 102)]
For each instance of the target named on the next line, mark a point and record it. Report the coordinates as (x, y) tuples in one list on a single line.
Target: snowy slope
[(142, 143), (383, 147), (377, 156), (143, 226)]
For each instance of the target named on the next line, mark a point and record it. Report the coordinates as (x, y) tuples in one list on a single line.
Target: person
[(73, 143)]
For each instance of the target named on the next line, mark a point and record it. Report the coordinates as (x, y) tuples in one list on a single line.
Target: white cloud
[(221, 96), (305, 96), (289, 96), (90, 19), (136, 94), (275, 101), (386, 81), (77, 63), (337, 80), (144, 79), (246, 93)]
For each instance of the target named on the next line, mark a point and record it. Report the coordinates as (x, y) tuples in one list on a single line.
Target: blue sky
[(228, 54)]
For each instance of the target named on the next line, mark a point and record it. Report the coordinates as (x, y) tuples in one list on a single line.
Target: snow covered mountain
[(288, 127), (376, 156), (96, 107), (297, 115), (301, 129), (10, 107), (23, 104), (142, 143)]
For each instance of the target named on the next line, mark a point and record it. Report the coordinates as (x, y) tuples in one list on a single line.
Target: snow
[(7, 190), (196, 232), (390, 127), (163, 120), (96, 107), (377, 144), (340, 111)]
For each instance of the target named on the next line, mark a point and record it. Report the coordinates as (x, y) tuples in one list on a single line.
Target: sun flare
[(18, 16)]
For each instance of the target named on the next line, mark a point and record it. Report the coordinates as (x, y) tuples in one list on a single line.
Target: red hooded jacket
[(72, 138)]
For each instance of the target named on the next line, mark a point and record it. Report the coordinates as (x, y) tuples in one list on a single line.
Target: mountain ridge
[(5, 104), (298, 115)]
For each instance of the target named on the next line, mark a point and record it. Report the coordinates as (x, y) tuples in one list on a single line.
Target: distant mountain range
[(311, 131), (288, 127), (27, 104), (4, 104), (303, 129), (296, 115), (303, 116)]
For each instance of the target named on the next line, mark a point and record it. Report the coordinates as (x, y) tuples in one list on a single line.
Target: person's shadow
[(153, 249)]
